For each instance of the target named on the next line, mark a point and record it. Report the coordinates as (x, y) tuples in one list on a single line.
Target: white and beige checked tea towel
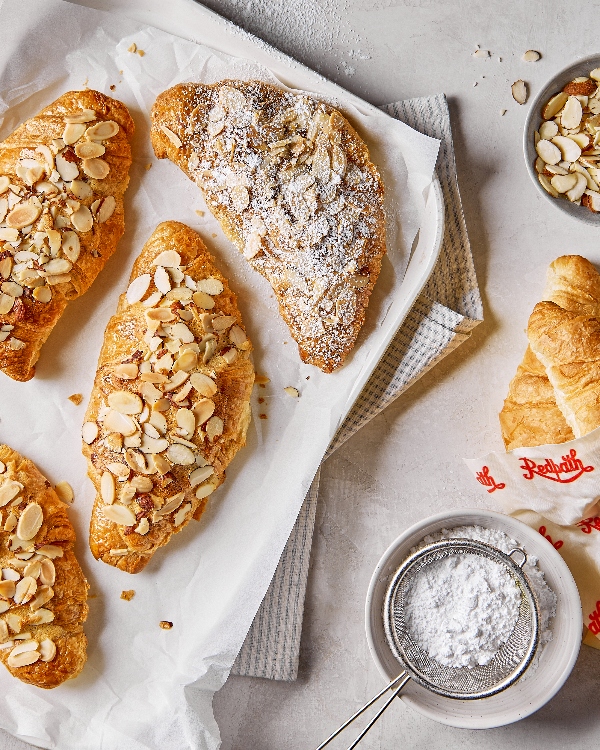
[(441, 319)]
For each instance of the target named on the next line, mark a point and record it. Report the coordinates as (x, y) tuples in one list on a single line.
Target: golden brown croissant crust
[(43, 597), (293, 187), (530, 415), (62, 178), (171, 400)]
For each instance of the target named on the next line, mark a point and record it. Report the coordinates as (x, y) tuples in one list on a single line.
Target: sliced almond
[(118, 469), (47, 572), (8, 574), (548, 151), (575, 193), (138, 288), (119, 514), (186, 420), (67, 170), (570, 151), (43, 596), (548, 129), (230, 355), (89, 432), (42, 294), (572, 113), (25, 590), (47, 650), (125, 402), (161, 314), (82, 219), (186, 362), (7, 588), (180, 455), (4, 183), (172, 504), (57, 266), (89, 150), (107, 488), (102, 131), (531, 56), (205, 490), (86, 115), (12, 289), (81, 189), (203, 384), (173, 137), (143, 527), (22, 659), (181, 514), (106, 210), (223, 322), (73, 132), (41, 617), (200, 475), (169, 258), (65, 492), (71, 246), (97, 169), (203, 300), (30, 522), (563, 183), (214, 428), (8, 234), (127, 371), (153, 445), (554, 105), (23, 216), (50, 550), (6, 303), (118, 422), (162, 280), (135, 460), (203, 409), (210, 285)]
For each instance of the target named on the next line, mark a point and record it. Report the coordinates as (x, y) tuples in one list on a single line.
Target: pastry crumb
[(200, 213), (76, 398), (128, 595), (261, 400), (263, 416), (148, 167), (112, 87), (141, 52), (261, 380), (214, 234), (133, 48), (165, 624)]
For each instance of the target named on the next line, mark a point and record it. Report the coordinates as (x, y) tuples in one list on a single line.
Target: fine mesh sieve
[(463, 683)]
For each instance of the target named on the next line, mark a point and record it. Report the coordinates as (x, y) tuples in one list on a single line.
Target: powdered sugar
[(461, 613), (462, 609)]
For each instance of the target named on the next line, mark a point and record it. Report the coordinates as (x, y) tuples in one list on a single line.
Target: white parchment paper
[(144, 687)]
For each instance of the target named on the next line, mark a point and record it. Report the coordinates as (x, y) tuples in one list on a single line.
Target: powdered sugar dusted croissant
[(62, 178), (293, 187)]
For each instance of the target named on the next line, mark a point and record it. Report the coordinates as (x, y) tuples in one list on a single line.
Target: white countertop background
[(406, 464)]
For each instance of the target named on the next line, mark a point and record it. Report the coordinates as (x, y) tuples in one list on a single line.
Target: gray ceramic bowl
[(534, 120)]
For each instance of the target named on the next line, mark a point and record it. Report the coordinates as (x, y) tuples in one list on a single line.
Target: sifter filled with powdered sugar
[(462, 620)]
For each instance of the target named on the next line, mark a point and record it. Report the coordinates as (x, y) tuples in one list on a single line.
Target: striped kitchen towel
[(441, 319)]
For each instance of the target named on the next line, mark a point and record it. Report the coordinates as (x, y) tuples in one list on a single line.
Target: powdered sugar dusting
[(295, 185), (546, 598)]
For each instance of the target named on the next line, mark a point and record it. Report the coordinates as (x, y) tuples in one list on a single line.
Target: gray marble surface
[(407, 464)]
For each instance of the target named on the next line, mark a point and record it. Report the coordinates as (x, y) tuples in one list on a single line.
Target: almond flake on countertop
[(531, 56), (519, 91)]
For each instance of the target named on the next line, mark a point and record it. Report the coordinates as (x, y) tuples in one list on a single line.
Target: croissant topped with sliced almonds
[(171, 400), (292, 184), (43, 592), (63, 174)]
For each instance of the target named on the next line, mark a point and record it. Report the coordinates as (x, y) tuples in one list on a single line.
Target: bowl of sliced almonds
[(562, 140)]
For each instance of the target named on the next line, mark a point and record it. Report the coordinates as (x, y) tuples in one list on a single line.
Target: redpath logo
[(569, 470), (487, 480)]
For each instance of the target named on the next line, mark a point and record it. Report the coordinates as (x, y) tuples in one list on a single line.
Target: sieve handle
[(522, 551), (398, 683)]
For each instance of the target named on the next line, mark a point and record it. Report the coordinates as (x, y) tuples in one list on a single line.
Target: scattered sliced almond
[(519, 91), (89, 432), (119, 514), (107, 488), (173, 137), (291, 391), (65, 492), (531, 56)]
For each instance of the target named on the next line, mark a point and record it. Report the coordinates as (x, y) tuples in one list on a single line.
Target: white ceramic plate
[(556, 662)]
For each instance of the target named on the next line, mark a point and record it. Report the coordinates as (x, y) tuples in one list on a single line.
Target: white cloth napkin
[(441, 319)]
